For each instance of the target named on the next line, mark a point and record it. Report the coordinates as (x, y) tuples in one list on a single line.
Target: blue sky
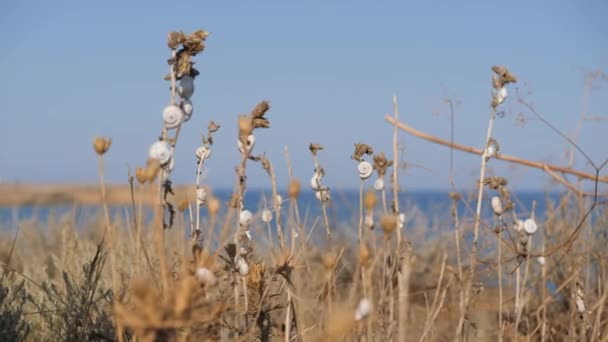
[(73, 70)]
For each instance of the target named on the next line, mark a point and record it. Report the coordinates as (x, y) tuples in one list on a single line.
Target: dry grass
[(186, 277)]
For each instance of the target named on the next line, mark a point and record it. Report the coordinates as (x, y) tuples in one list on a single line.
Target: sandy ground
[(43, 194)]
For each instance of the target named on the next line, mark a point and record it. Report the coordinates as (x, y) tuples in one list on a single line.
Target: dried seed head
[(101, 145), (213, 206), (315, 148), (257, 115), (245, 127), (152, 169), (294, 189), (365, 255), (140, 174), (388, 223), (329, 260), (381, 164), (370, 200), (360, 150), (174, 39)]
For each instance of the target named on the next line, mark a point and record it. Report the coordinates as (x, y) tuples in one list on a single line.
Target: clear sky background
[(73, 70)]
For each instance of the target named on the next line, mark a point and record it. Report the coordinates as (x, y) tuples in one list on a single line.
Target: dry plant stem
[(159, 240), (403, 255), (323, 206), (474, 248), (288, 316), (199, 170), (504, 157), (360, 211), (109, 231), (500, 295), (543, 331), (437, 303), (276, 206)]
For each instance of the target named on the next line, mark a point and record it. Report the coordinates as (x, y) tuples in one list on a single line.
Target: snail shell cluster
[(162, 151), (248, 146), (365, 170), (172, 116)]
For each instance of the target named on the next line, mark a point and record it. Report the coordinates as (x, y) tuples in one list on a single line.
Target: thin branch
[(507, 158)]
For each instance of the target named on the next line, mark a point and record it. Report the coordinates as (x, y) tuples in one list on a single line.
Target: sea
[(433, 206)]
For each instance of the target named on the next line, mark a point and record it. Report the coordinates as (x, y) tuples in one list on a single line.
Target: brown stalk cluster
[(381, 164), (191, 45), (500, 185), (361, 150), (101, 145)]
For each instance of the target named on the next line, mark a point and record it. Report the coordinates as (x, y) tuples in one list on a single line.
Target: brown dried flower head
[(101, 145), (370, 200), (257, 115), (294, 189), (245, 127), (213, 206), (315, 148), (505, 76), (361, 150), (365, 255), (388, 223), (140, 174), (174, 39), (381, 164), (329, 260), (152, 169), (495, 182)]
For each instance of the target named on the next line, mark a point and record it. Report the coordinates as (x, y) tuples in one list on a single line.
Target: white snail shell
[(242, 267), (187, 108), (365, 169), (323, 195), (205, 276), (162, 151), (503, 93), (172, 116), (580, 304), (203, 152), (266, 215), (185, 89), (541, 260), (490, 151), (315, 182), (401, 220), (363, 309), (369, 221), (248, 234), (379, 184), (519, 225), (530, 226), (249, 146), (201, 196), (279, 200), (497, 206), (245, 218)]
